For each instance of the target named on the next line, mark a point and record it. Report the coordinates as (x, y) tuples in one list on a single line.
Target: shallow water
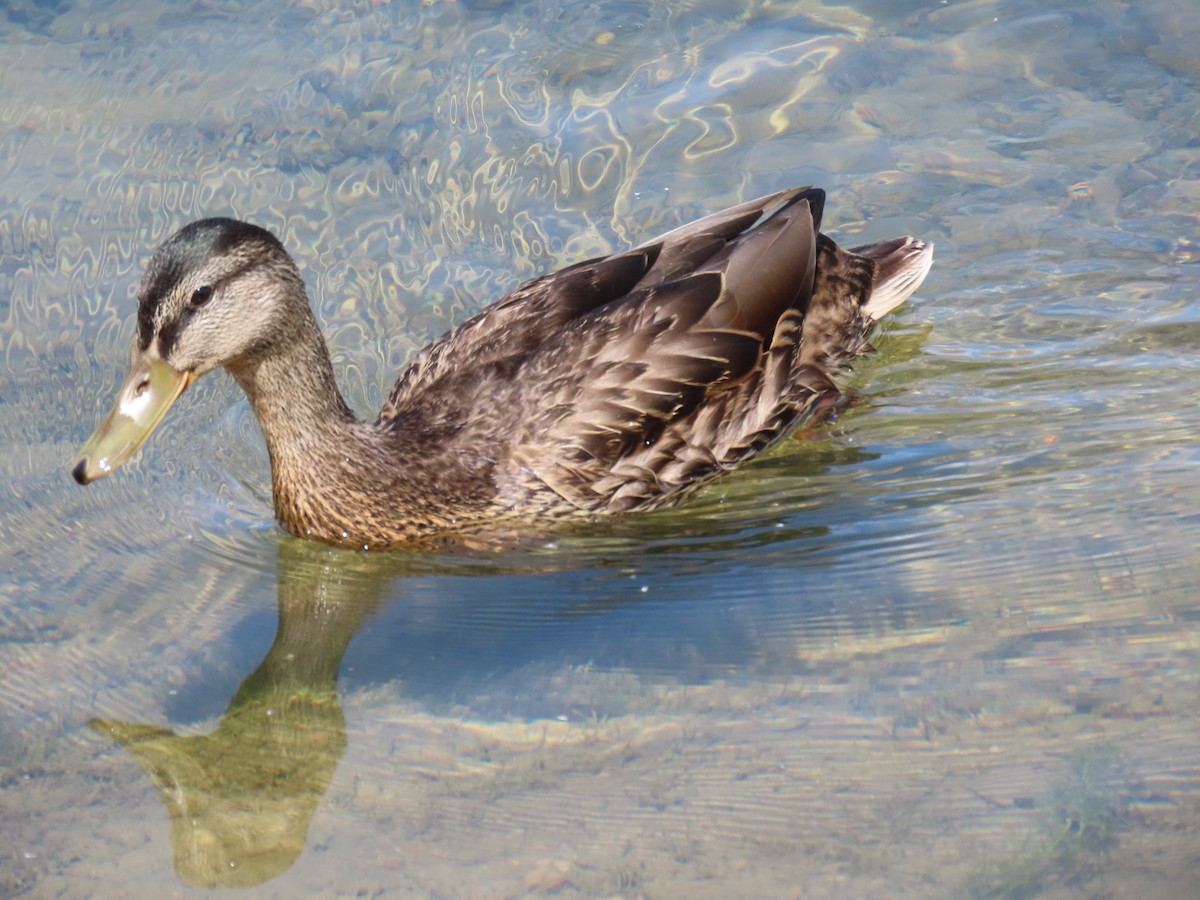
[(948, 646)]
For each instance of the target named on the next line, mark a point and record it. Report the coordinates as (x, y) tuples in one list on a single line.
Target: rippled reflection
[(240, 799)]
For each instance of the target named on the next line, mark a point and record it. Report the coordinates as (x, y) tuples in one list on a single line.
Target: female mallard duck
[(615, 384)]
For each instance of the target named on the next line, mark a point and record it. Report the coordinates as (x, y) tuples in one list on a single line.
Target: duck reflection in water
[(241, 798)]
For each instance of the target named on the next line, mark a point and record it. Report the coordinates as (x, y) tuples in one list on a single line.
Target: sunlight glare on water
[(947, 645)]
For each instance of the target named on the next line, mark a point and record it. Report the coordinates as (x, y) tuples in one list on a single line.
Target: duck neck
[(293, 392), (309, 429)]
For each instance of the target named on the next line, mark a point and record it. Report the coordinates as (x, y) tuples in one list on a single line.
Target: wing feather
[(624, 382)]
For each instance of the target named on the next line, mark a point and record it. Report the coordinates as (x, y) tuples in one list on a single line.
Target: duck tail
[(901, 264)]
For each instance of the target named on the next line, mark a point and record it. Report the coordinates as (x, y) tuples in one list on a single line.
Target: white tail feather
[(901, 266)]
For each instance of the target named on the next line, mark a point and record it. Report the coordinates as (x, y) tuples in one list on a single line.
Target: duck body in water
[(617, 384)]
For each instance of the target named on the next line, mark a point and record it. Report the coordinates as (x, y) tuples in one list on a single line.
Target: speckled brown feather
[(616, 384)]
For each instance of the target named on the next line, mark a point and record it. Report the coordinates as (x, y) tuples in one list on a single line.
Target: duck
[(617, 384)]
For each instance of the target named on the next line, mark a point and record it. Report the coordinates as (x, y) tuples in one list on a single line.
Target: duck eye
[(201, 295)]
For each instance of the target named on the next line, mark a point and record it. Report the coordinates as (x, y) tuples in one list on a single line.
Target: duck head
[(215, 294)]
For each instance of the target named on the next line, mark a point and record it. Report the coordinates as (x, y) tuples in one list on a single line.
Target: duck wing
[(514, 328), (623, 382)]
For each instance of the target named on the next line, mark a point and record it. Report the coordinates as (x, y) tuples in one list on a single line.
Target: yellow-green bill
[(148, 392)]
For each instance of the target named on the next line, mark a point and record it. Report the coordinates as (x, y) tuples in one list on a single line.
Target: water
[(946, 647)]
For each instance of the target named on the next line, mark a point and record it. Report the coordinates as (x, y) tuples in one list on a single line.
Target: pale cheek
[(196, 351)]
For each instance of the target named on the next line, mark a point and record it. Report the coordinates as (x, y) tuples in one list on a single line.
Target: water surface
[(947, 646)]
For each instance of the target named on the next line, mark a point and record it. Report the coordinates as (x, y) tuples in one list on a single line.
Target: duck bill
[(148, 392)]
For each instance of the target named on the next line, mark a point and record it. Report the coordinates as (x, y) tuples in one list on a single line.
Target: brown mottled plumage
[(616, 384)]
